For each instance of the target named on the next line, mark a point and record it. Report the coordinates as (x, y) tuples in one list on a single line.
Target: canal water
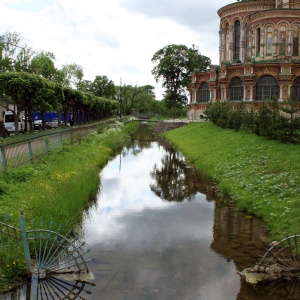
[(160, 231)]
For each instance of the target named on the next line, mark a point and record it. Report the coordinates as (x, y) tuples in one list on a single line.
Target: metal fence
[(27, 150)]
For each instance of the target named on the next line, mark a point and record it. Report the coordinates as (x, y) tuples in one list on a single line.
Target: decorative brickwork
[(268, 35)]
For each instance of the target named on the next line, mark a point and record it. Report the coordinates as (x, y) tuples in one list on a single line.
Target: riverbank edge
[(57, 189), (260, 175)]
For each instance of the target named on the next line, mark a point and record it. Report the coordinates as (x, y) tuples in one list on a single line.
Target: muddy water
[(160, 231)]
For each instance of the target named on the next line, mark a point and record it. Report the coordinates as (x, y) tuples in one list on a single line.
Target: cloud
[(192, 13), (116, 38)]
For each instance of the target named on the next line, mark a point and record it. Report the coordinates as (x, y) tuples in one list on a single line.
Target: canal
[(160, 231)]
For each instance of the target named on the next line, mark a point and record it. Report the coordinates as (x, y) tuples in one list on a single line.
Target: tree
[(70, 76), (292, 126), (103, 87), (43, 64), (174, 65), (14, 57), (26, 91), (86, 86), (129, 96)]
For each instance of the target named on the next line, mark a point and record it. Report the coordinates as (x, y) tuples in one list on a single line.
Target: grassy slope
[(60, 186), (262, 176), (56, 189)]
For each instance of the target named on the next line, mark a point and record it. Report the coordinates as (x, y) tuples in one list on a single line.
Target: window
[(269, 40), (237, 39), (236, 90), (266, 88), (296, 41), (296, 89), (258, 42), (282, 40), (204, 93)]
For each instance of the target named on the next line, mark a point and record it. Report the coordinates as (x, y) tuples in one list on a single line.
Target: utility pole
[(120, 95)]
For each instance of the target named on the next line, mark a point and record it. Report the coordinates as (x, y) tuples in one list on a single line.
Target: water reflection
[(171, 179), (50, 288)]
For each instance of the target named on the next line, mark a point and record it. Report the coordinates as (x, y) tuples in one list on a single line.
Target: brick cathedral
[(259, 56)]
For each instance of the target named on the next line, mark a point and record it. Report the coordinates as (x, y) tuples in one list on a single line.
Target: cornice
[(276, 13), (245, 6)]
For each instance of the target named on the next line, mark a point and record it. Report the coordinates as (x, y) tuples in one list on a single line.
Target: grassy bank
[(58, 188), (261, 176)]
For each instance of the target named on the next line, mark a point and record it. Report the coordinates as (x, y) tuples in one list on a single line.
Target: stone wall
[(166, 126)]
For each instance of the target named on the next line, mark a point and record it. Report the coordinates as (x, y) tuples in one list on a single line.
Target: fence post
[(3, 158), (61, 137), (30, 150), (25, 242), (72, 138), (47, 143)]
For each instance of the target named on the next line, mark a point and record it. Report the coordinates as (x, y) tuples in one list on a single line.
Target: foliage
[(70, 76), (174, 65), (88, 102), (171, 110), (291, 108), (260, 175), (30, 92), (12, 271), (103, 87), (267, 121), (43, 64), (134, 98), (14, 55)]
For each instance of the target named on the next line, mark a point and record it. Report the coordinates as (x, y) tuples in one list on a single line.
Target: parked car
[(37, 124), (53, 123), (3, 131)]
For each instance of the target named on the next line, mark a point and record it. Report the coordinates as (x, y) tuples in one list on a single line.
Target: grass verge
[(56, 189), (260, 175)]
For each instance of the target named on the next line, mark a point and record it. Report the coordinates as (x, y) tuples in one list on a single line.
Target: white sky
[(115, 38)]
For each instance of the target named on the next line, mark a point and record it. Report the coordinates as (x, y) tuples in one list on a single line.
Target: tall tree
[(14, 56), (174, 65), (70, 75), (86, 86), (43, 64), (104, 87), (129, 98)]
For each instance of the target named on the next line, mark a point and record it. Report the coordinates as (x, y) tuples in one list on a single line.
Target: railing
[(19, 152), (45, 251)]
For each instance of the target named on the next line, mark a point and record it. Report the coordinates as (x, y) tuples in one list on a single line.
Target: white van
[(9, 122)]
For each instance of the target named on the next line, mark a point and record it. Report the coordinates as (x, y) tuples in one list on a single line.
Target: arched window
[(236, 90), (296, 89), (237, 39), (258, 42), (204, 93), (269, 40), (266, 88), (296, 41), (282, 40)]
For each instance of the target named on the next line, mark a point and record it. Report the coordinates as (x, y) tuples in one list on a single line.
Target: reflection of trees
[(171, 180), (139, 140)]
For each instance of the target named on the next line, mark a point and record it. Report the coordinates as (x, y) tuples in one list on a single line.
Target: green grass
[(59, 188), (260, 175)]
